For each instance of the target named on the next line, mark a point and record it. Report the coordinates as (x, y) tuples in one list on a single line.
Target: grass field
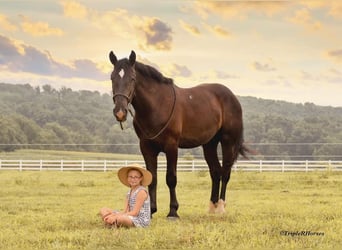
[(35, 154), (58, 210)]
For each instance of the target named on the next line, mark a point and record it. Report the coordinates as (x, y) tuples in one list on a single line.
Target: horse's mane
[(153, 73)]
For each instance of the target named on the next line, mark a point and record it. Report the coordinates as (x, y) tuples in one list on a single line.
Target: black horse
[(168, 117)]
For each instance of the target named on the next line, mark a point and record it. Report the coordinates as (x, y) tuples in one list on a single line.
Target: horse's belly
[(193, 140), (189, 144)]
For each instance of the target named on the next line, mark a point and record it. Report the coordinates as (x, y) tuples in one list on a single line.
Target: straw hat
[(123, 174)]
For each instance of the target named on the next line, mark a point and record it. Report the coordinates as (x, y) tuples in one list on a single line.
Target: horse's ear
[(112, 58), (132, 58)]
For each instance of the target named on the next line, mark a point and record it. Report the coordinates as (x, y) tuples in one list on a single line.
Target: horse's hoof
[(217, 208), (172, 218), (212, 207), (220, 207)]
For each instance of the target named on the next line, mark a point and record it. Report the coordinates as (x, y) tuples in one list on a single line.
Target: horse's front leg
[(171, 179), (150, 153)]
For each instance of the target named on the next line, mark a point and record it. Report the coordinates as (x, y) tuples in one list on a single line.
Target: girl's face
[(134, 178)]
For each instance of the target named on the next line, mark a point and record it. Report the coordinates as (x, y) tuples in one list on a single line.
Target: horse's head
[(123, 83)]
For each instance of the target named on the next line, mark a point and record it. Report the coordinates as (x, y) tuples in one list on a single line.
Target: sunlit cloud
[(150, 32), (334, 7), (74, 9), (191, 29), (39, 28), (32, 60), (237, 9), (304, 18), (6, 24), (157, 35), (176, 70), (218, 30)]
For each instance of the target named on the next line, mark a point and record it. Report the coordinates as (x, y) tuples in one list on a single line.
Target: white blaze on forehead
[(121, 73)]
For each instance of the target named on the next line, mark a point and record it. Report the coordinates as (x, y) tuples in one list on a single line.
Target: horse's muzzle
[(120, 115)]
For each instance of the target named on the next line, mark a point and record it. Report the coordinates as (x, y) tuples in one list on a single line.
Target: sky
[(280, 50)]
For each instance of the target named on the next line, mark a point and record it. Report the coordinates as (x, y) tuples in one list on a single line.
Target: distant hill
[(43, 117)]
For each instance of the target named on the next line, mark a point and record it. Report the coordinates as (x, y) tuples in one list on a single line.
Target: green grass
[(35, 154), (58, 210)]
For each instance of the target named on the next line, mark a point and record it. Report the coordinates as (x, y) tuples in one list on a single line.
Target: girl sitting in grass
[(137, 211)]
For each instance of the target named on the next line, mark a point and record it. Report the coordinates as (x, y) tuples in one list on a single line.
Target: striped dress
[(143, 219)]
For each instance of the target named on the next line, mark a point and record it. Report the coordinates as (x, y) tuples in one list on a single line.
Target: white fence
[(190, 165)]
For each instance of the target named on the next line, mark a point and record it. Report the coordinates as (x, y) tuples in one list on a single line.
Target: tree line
[(64, 119)]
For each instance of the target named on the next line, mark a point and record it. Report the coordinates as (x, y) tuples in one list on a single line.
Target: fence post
[(20, 165), (41, 165), (283, 166), (105, 166), (0, 164), (260, 166), (193, 166), (61, 165), (82, 165), (306, 165)]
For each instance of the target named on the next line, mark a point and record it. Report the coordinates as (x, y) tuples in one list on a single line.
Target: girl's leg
[(105, 211), (124, 220)]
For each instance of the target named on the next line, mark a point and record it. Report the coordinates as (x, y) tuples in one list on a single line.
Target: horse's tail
[(244, 150)]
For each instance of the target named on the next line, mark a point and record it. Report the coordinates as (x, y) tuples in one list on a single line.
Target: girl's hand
[(110, 219)]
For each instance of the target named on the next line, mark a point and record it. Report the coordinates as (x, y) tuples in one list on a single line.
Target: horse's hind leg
[(210, 155), (229, 155)]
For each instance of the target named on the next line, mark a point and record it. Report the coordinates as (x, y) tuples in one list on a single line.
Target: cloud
[(6, 24), (330, 76), (16, 57), (148, 62), (218, 30), (175, 70), (85, 68), (335, 55), (157, 35), (334, 7), (308, 76), (304, 18), (189, 28), (263, 67), (39, 28), (74, 9), (7, 49), (237, 9), (149, 32), (215, 75), (224, 75)]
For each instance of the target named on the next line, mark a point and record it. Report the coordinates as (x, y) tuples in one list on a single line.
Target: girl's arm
[(141, 197), (126, 208)]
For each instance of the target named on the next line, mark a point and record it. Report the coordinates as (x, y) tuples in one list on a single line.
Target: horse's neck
[(151, 98)]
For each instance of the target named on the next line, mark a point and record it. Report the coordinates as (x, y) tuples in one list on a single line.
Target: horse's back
[(213, 94)]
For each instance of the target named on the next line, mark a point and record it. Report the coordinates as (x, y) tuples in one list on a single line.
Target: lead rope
[(166, 124)]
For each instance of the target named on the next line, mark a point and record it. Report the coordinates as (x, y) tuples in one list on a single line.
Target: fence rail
[(183, 165)]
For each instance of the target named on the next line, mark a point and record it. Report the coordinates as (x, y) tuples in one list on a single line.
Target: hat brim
[(123, 174)]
